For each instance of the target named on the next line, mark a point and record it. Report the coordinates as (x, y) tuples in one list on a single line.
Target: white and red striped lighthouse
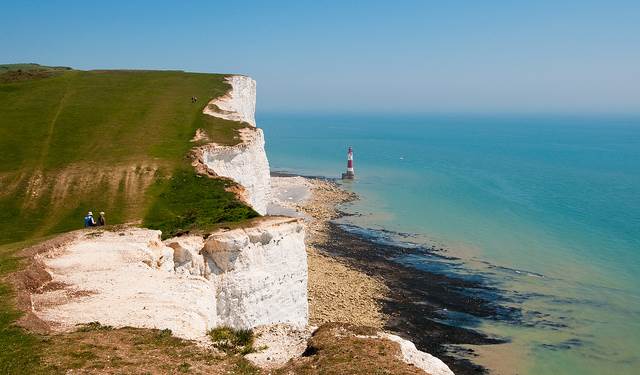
[(350, 175)]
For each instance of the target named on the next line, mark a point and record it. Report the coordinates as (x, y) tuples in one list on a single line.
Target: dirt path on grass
[(52, 124)]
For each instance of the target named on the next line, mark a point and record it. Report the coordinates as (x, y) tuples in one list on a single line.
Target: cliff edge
[(247, 275)]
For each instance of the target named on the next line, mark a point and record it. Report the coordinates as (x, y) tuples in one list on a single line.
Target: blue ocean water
[(548, 207)]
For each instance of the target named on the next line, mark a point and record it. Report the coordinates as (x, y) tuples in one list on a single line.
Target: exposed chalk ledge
[(241, 278)]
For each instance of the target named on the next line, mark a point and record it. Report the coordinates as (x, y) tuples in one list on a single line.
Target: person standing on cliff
[(101, 220)]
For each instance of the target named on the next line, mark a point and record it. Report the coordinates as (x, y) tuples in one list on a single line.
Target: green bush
[(93, 326), (187, 201), (233, 341)]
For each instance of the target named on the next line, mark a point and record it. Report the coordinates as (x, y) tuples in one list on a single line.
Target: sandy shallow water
[(356, 277)]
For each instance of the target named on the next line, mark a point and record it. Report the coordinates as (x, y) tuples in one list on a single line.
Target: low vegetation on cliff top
[(190, 202), (340, 348), (232, 341)]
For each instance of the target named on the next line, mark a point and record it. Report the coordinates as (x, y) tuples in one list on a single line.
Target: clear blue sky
[(404, 56)]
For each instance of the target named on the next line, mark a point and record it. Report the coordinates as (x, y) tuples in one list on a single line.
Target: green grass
[(103, 117), (19, 354), (188, 201), (93, 326), (20, 350), (99, 140)]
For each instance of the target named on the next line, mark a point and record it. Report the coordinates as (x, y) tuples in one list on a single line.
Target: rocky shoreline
[(337, 291), (354, 278)]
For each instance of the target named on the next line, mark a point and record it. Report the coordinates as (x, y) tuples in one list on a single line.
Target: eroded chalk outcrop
[(411, 355), (260, 272), (242, 278), (123, 278), (344, 348)]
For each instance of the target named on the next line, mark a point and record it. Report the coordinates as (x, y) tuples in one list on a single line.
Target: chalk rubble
[(420, 359)]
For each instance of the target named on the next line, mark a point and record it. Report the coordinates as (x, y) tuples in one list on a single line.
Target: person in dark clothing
[(88, 220), (101, 219)]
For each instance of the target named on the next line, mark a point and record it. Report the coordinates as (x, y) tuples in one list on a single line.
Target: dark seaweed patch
[(433, 308), (564, 345)]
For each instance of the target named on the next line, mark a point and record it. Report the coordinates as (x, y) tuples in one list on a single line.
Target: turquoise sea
[(546, 207)]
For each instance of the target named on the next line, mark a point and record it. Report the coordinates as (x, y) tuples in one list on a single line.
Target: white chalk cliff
[(239, 104), (242, 278), (246, 277), (259, 272), (246, 163)]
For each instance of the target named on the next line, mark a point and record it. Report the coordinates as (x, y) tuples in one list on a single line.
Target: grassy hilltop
[(113, 141)]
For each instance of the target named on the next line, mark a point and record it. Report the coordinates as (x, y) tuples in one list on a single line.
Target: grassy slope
[(98, 140), (114, 141), (20, 350)]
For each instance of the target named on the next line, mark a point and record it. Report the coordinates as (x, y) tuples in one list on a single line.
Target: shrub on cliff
[(188, 201), (232, 341)]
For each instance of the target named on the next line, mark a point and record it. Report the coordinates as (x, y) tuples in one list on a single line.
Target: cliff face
[(246, 163), (260, 272), (241, 278), (263, 274)]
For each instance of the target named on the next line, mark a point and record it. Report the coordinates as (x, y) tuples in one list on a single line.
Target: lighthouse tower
[(350, 175)]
